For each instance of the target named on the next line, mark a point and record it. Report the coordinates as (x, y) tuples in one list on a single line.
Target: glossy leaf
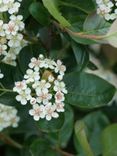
[(109, 140), (52, 6), (51, 126), (42, 147), (38, 11), (67, 128), (88, 91), (81, 55), (82, 138)]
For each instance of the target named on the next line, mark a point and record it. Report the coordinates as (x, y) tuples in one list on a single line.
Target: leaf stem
[(64, 153), (6, 90), (10, 141)]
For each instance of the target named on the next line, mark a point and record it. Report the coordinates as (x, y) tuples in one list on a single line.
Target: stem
[(63, 152), (6, 90), (10, 141)]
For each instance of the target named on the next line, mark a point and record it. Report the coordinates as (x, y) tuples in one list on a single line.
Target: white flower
[(14, 7), (15, 41), (18, 21), (59, 97), (60, 86), (3, 49), (11, 28), (49, 63), (24, 96), (60, 107), (41, 86), (19, 86), (44, 98), (51, 111), (37, 112), (36, 64), (1, 75), (60, 67), (31, 76)]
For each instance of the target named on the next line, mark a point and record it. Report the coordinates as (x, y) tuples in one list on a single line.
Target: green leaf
[(94, 29), (82, 138), (78, 4), (95, 24), (61, 137), (88, 91), (95, 122), (38, 11), (52, 7), (109, 141), (51, 126), (24, 8), (8, 98), (42, 147), (67, 128), (81, 55)]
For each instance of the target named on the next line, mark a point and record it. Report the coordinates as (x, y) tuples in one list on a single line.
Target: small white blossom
[(49, 63), (11, 28), (60, 86), (31, 76), (36, 64), (24, 96), (37, 112), (18, 21), (60, 67), (41, 86), (43, 98), (60, 107), (14, 8), (59, 97), (51, 111), (19, 86), (15, 41)]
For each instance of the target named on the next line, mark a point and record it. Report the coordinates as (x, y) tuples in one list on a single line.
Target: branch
[(10, 141), (64, 153)]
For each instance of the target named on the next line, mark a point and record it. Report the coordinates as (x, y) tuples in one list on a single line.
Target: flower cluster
[(43, 88), (8, 117), (107, 8), (11, 25)]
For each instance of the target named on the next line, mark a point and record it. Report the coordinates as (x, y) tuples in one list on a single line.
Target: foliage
[(64, 30)]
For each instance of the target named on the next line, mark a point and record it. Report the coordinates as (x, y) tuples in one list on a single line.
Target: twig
[(64, 153), (10, 141)]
